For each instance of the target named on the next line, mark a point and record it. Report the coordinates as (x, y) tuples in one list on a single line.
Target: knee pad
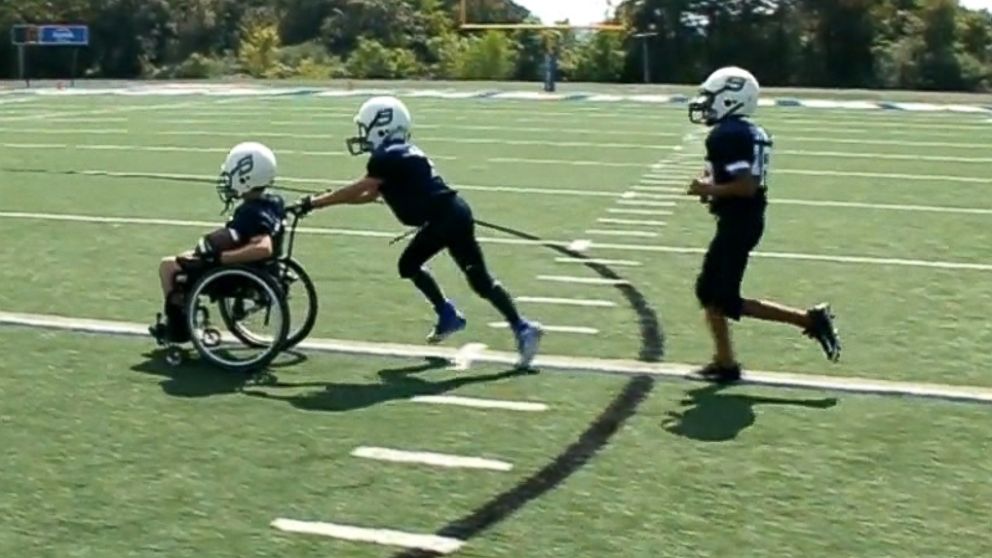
[(480, 280)]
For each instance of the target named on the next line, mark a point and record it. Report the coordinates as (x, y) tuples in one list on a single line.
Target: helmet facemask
[(372, 135), (232, 184), (710, 107)]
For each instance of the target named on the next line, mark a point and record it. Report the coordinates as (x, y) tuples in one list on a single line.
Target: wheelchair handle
[(292, 234)]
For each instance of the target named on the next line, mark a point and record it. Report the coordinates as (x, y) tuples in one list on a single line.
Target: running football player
[(735, 183), (406, 180)]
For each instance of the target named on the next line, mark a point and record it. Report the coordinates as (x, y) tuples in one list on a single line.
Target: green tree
[(491, 56), (601, 58), (259, 50)]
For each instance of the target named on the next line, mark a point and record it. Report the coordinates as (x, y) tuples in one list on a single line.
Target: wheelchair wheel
[(301, 297), (256, 307), (301, 302)]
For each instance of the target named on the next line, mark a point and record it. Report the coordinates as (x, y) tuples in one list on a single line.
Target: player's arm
[(363, 191), (739, 149), (257, 248)]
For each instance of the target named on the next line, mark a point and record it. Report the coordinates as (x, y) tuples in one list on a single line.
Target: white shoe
[(529, 343)]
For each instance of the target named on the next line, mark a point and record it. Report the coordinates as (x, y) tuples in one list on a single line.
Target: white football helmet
[(249, 166), (379, 120), (729, 91)]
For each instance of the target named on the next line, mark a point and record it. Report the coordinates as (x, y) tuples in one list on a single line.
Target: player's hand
[(194, 264), (699, 187), (205, 254), (303, 207)]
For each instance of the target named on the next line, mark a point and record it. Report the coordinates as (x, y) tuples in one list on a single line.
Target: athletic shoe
[(449, 322), (528, 336), (822, 329)]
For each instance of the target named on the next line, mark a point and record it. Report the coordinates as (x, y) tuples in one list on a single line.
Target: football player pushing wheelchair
[(240, 268)]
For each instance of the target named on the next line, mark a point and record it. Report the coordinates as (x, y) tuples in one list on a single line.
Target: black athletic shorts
[(719, 282)]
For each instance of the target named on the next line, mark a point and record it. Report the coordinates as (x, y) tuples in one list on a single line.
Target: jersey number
[(762, 156), (416, 151)]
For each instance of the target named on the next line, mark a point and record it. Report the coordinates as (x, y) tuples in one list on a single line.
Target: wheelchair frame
[(266, 285)]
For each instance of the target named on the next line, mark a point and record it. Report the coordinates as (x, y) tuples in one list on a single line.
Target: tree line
[(912, 44)]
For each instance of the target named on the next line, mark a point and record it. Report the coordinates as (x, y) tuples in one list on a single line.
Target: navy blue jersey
[(411, 187), (737, 146), (258, 217)]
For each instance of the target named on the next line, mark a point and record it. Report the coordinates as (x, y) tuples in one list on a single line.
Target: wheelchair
[(241, 317)]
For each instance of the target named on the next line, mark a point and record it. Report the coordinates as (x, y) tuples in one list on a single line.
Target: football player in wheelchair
[(243, 269)]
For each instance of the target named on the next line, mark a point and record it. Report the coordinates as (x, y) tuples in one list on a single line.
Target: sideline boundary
[(673, 371)]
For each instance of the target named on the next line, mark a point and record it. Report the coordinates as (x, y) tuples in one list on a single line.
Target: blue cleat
[(529, 336), (449, 322)]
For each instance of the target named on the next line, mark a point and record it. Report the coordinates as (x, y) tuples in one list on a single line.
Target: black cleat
[(721, 374), (822, 329)]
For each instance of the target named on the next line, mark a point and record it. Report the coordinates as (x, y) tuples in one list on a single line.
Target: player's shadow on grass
[(195, 379), (396, 384), (712, 416)]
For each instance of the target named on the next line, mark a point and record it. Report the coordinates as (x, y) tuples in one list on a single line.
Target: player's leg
[(174, 329), (424, 246), (718, 291), (167, 271), (723, 355), (817, 322), (774, 312), (465, 250)]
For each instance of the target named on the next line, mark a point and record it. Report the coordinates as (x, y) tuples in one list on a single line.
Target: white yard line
[(900, 262), (886, 176), (476, 403), (668, 189), (74, 116), (466, 355), (588, 302), (580, 245), (599, 261), (633, 222), (647, 196), (575, 245), (633, 234), (646, 203), (623, 211), (549, 362), (385, 537), (582, 280), (317, 181), (578, 330), (62, 131), (582, 192), (884, 206), (430, 458)]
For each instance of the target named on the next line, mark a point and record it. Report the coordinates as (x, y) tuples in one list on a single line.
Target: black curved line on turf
[(652, 334), (594, 439)]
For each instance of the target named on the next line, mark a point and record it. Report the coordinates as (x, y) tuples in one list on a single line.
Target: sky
[(576, 11), (591, 11), (973, 4)]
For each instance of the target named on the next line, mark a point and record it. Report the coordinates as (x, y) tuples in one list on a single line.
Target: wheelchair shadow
[(397, 384), (195, 379), (712, 416)]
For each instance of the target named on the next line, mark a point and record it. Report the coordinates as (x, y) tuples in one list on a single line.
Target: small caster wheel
[(174, 356), (211, 338)]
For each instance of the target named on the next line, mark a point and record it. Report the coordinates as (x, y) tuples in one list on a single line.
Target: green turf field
[(109, 452)]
